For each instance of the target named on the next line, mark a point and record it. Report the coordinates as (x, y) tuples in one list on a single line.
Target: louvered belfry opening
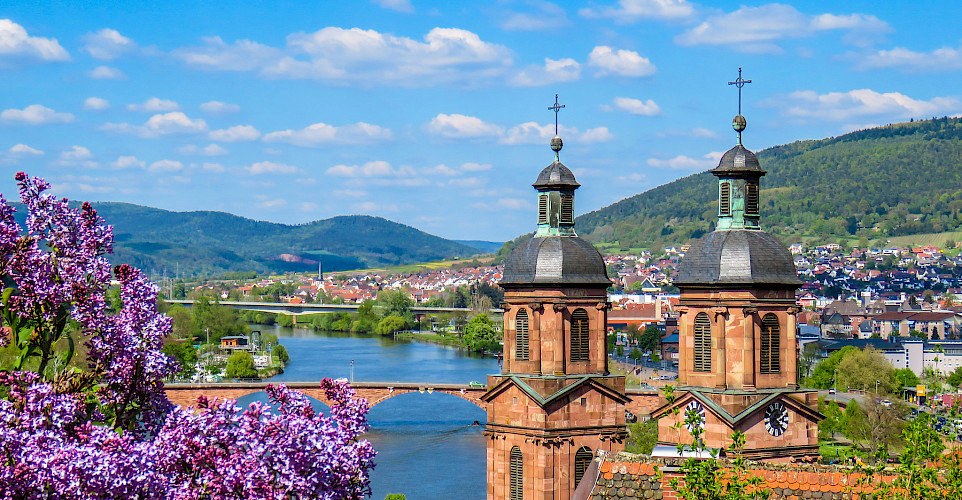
[(579, 335), (521, 335), (567, 209), (725, 199), (751, 199), (770, 344), (516, 475), (542, 208), (582, 460), (702, 345)]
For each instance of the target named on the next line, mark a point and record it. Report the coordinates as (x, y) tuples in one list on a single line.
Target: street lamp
[(352, 371), (876, 387), (835, 380)]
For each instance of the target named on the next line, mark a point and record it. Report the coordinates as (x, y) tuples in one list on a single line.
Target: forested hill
[(214, 242), (889, 181)]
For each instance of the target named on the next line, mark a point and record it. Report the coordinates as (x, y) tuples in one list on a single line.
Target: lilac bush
[(108, 431)]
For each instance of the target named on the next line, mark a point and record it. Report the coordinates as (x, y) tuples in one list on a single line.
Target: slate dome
[(563, 260), (556, 175), (738, 158), (737, 257)]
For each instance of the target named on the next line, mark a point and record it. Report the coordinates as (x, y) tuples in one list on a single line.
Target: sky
[(435, 114)]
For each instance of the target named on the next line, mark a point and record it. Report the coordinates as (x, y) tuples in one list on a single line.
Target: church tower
[(738, 349), (554, 404)]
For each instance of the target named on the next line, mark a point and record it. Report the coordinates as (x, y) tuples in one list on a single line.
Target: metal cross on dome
[(556, 108), (739, 82)]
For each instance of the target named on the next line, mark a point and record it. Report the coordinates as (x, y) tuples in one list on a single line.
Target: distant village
[(901, 301)]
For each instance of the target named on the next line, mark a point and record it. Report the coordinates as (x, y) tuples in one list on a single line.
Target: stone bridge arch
[(374, 392)]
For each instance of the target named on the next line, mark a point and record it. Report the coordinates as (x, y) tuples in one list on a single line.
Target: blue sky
[(434, 114)]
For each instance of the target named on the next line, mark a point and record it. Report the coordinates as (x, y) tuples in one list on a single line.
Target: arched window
[(521, 335), (751, 199), (582, 461), (702, 343), (542, 208), (770, 344), (579, 335), (567, 209), (517, 475), (725, 199)]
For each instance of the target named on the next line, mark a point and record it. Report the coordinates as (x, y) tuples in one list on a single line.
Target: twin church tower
[(555, 404)]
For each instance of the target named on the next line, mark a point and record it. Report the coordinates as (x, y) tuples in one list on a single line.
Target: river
[(428, 447)]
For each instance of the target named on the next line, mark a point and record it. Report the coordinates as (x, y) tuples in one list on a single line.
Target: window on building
[(751, 199), (542, 208), (567, 209), (725, 199), (770, 344), (579, 335), (582, 461), (521, 335), (517, 475), (702, 343)]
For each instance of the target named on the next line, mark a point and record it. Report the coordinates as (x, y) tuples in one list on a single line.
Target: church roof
[(737, 257), (567, 260), (556, 175), (738, 159)]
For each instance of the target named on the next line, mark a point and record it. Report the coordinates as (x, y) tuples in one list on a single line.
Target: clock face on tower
[(698, 409), (776, 419)]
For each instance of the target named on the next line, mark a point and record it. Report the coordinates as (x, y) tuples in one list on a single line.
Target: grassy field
[(918, 240)]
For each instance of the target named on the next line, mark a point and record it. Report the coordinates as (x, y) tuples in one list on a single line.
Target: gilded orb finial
[(739, 123), (556, 142)]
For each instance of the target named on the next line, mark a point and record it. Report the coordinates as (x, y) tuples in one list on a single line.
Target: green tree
[(241, 365), (650, 339), (282, 354), (481, 335), (955, 378), (635, 354), (832, 422), (905, 377), (391, 324), (642, 437), (185, 354), (866, 369), (395, 302), (395, 496), (823, 376)]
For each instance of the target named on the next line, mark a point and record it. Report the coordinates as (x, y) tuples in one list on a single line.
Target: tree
[(866, 369), (877, 427), (390, 325), (241, 365), (635, 354), (807, 359), (955, 378), (823, 376), (282, 354), (833, 421), (480, 334), (93, 422), (650, 339), (905, 377)]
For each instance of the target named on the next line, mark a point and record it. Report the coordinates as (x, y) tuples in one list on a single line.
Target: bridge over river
[(297, 309), (185, 394)]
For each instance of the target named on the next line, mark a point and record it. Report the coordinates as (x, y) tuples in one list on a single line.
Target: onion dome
[(737, 257)]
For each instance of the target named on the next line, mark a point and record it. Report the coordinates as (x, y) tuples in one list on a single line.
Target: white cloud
[(349, 193), (440, 170), (553, 71), (269, 167), (544, 16), (163, 166), (633, 106), (319, 134), (106, 73), (209, 150), (107, 44), (76, 155), (23, 149), (754, 29), (96, 104), (535, 133), (842, 106), (278, 202), (219, 108), (680, 162), (127, 162), (628, 11), (475, 167), (35, 114), (634, 178), (236, 133), (941, 59), (457, 126), (396, 5), (175, 122), (308, 206), (370, 206), (212, 167), (365, 57), (620, 62), (154, 105), (17, 48), (371, 169)]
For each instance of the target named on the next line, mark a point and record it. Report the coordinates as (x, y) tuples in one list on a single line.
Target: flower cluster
[(109, 431)]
